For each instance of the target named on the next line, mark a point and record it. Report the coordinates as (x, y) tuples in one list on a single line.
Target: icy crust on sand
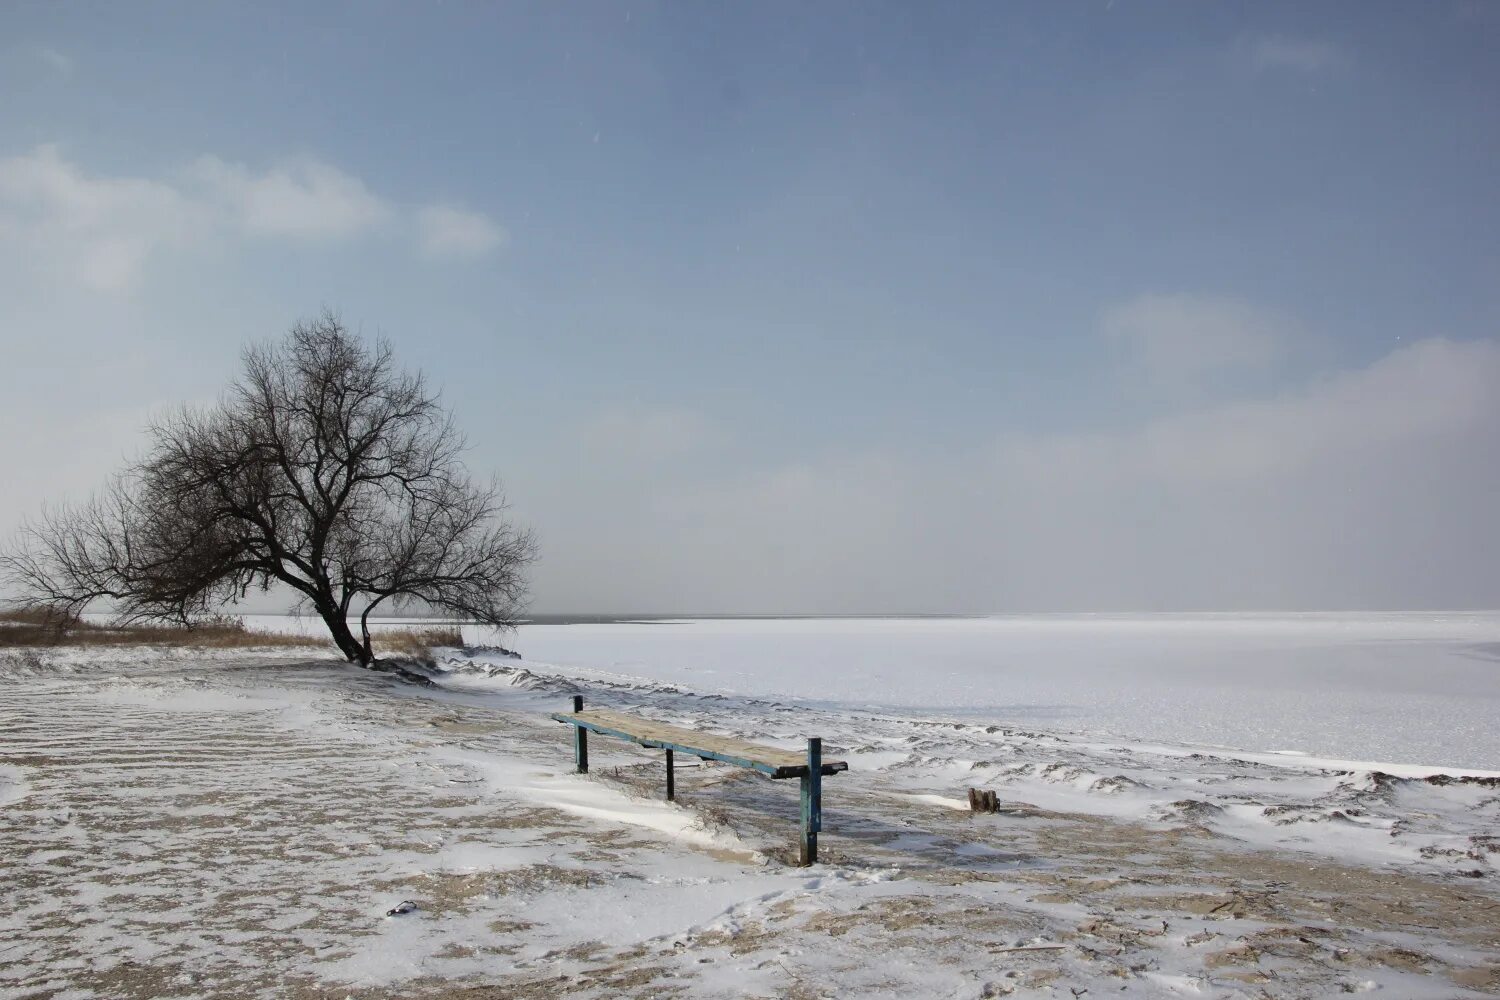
[(265, 828)]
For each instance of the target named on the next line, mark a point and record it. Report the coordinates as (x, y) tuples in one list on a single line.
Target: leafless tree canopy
[(324, 468)]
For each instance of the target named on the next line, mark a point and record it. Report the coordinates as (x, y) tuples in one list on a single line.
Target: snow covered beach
[(185, 823)]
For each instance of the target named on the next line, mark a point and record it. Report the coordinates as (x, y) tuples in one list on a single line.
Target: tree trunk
[(360, 652), (343, 638), (364, 633)]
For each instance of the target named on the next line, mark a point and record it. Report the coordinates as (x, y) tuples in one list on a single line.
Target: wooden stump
[(982, 801)]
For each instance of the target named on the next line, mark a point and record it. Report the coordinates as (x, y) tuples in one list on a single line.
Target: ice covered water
[(1414, 688)]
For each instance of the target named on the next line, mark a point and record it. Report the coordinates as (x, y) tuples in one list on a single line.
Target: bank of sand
[(181, 824)]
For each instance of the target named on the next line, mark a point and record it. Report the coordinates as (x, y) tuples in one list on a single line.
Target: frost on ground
[(264, 826)]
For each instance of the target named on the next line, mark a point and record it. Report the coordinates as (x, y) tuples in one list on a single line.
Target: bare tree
[(324, 468)]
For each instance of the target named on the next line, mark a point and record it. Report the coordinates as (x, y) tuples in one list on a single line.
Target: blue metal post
[(812, 801), (580, 739)]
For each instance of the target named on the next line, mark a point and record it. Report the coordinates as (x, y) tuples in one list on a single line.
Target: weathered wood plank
[(772, 761)]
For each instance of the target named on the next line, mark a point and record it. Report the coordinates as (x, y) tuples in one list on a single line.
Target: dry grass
[(418, 642), (42, 627), (32, 616)]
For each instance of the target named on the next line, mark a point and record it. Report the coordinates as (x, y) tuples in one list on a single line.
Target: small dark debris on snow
[(495, 650), (982, 800)]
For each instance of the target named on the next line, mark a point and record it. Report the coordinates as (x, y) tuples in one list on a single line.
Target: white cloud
[(102, 231), (303, 198), (446, 231), (1303, 55), (60, 63), (1178, 337), (1363, 489), (113, 263), (45, 186), (1428, 389), (1370, 488)]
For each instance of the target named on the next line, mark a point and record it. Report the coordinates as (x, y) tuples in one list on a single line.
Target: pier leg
[(812, 802), (671, 779), (580, 739)]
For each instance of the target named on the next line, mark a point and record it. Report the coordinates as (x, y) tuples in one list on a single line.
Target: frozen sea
[(1400, 688), (1405, 688)]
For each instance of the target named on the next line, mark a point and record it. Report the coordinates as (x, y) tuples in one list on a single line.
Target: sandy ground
[(175, 828)]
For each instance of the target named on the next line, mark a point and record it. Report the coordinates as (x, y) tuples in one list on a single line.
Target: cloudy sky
[(831, 307)]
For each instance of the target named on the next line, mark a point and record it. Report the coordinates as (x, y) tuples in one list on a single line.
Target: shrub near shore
[(43, 627)]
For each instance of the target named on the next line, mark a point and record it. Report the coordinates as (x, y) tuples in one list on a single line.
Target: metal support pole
[(671, 779), (812, 802), (580, 739)]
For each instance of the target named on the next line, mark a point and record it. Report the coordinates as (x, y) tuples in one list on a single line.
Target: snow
[(244, 824), (12, 784), (576, 795)]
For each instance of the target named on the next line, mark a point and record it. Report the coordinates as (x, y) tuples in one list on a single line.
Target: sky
[(837, 307)]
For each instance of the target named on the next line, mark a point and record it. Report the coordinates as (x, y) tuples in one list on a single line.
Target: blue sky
[(811, 307)]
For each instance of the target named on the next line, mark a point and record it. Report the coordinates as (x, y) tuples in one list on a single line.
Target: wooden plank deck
[(772, 761)]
